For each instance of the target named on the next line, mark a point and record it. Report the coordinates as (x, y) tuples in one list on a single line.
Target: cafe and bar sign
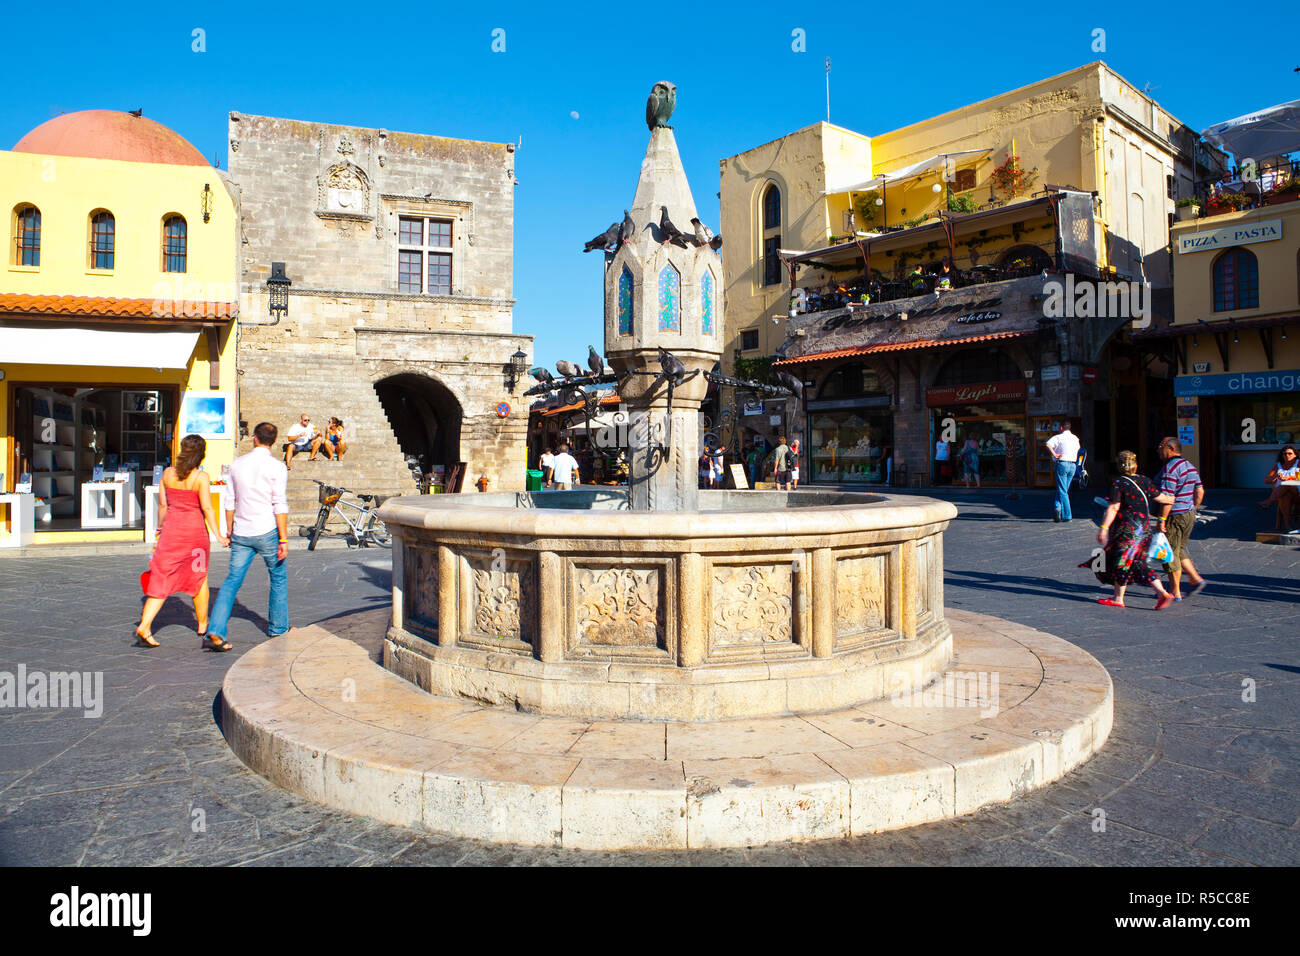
[(1239, 235), (971, 394)]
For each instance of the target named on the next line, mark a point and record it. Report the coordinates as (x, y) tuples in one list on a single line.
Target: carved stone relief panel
[(925, 570), (861, 599), (421, 590), (620, 611), (500, 602), (751, 610)]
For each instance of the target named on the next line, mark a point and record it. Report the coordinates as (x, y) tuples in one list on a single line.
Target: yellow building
[(117, 314), (1237, 339), (1076, 175)]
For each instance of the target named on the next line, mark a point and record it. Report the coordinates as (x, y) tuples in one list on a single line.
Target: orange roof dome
[(108, 134)]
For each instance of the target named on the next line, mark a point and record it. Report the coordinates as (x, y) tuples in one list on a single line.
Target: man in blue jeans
[(1065, 449), (259, 525)]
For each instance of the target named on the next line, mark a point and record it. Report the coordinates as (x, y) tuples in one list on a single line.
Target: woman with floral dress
[(1126, 534)]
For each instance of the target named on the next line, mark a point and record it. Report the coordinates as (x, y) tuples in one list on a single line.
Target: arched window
[(1236, 280), (174, 244), (27, 236), (772, 208), (625, 302), (706, 303), (101, 240), (1026, 259), (670, 300), (976, 366), (771, 264)]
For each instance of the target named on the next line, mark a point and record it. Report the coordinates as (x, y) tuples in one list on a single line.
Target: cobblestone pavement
[(1191, 774)]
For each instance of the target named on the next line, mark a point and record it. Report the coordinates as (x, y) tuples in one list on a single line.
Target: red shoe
[(1164, 602), (1110, 602)]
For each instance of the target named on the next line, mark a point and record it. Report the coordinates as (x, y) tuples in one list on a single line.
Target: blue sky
[(429, 68)]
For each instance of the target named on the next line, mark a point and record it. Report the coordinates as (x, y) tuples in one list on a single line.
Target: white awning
[(1259, 136), (63, 345), (907, 172)]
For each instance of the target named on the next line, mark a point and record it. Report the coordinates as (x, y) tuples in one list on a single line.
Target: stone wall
[(327, 201)]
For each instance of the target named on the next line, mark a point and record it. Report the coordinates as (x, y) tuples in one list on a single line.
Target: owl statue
[(660, 105)]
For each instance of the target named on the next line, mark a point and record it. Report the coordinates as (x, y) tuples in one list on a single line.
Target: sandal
[(1110, 602), (1164, 602), (211, 643), (143, 640)]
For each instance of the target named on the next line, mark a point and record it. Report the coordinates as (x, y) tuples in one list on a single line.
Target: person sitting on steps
[(334, 441), (302, 437)]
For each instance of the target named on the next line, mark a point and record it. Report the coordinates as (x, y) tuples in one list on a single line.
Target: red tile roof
[(901, 346), (85, 305)]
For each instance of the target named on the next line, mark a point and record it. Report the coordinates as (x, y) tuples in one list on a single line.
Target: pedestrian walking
[(547, 461), (1064, 447), (258, 517), (1125, 533), (794, 464), (179, 564), (970, 462), (564, 468), (1180, 479), (718, 466)]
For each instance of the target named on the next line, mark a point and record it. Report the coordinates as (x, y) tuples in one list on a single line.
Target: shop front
[(850, 432), (1236, 423), (993, 416)]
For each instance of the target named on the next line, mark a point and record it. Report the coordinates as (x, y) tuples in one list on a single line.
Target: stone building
[(1075, 174), (398, 251)]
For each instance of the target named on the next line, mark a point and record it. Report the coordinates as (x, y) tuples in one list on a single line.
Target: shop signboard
[(1051, 373), (969, 394), (1238, 383), (753, 408), (1239, 235), (1186, 433)]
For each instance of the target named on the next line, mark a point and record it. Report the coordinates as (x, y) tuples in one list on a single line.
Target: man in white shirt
[(564, 468), (547, 463), (1065, 449), (302, 437), (259, 525)]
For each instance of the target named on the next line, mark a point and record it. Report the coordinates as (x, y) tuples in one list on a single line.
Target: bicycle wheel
[(379, 534), (321, 517)]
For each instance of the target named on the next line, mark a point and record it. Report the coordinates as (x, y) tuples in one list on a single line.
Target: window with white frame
[(424, 254)]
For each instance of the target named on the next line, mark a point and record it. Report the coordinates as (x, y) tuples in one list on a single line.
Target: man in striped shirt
[(1179, 478)]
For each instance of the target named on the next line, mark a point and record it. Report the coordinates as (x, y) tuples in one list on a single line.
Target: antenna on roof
[(828, 89)]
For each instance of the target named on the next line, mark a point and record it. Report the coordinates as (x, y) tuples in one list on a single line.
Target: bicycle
[(364, 528)]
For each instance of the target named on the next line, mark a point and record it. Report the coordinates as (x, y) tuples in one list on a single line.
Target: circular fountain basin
[(759, 603)]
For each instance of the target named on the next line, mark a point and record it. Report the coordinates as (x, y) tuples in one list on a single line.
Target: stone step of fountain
[(316, 714)]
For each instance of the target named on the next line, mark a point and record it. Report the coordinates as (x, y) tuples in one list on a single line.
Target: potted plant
[(1188, 209), (1011, 179), (966, 203), (1285, 193), (1228, 202)]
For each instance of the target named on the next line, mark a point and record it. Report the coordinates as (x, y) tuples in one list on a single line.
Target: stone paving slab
[(1002, 556), (291, 713)]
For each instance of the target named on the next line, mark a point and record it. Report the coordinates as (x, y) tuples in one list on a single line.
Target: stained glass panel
[(706, 306), (670, 300), (625, 302)]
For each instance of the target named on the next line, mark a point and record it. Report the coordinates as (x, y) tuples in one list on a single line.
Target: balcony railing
[(881, 290)]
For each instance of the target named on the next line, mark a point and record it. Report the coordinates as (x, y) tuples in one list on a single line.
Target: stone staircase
[(279, 386)]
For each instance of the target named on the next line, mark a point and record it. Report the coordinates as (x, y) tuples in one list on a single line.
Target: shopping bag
[(1160, 550), (144, 581)]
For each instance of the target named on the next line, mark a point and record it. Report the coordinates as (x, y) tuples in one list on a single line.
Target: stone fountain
[(664, 602), (661, 665)]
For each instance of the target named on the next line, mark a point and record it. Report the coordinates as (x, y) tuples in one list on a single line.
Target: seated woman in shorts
[(334, 445)]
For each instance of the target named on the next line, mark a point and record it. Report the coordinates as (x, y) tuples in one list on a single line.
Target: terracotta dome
[(108, 134)]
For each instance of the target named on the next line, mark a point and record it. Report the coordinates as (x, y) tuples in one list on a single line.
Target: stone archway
[(425, 415)]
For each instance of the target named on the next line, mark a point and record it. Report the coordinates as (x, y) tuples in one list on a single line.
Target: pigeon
[(605, 240), (594, 361), (568, 369), (702, 232), (790, 382), (137, 113), (671, 233), (715, 243), (628, 230), (541, 374)]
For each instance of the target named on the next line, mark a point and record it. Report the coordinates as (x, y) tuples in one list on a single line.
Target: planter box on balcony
[(1277, 198)]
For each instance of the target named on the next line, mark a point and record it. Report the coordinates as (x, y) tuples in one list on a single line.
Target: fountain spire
[(663, 294)]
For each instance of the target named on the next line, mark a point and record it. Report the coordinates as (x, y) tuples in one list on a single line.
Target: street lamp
[(518, 367), (277, 288)]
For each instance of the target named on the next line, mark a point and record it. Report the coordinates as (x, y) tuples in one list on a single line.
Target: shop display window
[(1276, 417), (850, 446), (999, 438)]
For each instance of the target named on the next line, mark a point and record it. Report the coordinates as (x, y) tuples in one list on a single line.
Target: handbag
[(1159, 550)]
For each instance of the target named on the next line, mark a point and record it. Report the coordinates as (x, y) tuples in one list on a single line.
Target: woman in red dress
[(180, 560)]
